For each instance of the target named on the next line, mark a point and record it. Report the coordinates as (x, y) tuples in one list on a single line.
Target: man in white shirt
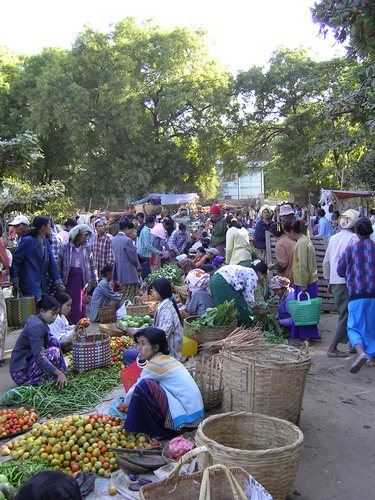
[(337, 285)]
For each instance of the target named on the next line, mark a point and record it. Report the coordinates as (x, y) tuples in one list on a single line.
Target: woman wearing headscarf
[(305, 275), (337, 285), (238, 283), (33, 261), (281, 287), (263, 224), (167, 317), (78, 270), (357, 265), (237, 248), (200, 297), (219, 229)]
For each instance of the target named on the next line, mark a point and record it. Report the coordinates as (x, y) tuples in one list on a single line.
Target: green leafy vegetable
[(170, 271), (223, 315)]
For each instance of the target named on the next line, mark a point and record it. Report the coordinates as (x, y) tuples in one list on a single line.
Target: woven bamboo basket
[(269, 380), (268, 448), (207, 333), (206, 368), (137, 309), (107, 314), (214, 482)]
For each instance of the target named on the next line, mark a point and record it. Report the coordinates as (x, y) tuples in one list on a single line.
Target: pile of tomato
[(16, 420)]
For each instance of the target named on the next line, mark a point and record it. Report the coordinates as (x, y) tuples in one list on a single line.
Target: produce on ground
[(78, 443), (16, 420), (18, 473), (118, 345), (268, 324), (170, 271), (223, 315), (135, 321), (83, 392)]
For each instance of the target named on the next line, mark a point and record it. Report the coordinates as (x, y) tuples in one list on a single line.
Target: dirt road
[(338, 422)]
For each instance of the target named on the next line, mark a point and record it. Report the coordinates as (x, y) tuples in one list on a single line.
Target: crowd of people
[(222, 255)]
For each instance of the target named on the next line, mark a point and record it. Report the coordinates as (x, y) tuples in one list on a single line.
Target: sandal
[(337, 354), (358, 363)]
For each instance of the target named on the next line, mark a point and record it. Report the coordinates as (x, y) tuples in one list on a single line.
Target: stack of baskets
[(207, 333), (268, 380), (267, 447)]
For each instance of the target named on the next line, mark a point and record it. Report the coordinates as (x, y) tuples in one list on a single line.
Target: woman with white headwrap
[(77, 269), (200, 297)]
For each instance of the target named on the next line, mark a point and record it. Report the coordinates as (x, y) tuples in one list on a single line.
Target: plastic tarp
[(176, 199)]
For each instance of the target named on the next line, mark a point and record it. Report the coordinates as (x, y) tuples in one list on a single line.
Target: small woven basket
[(267, 447), (107, 314), (207, 333), (269, 380), (206, 368), (137, 309)]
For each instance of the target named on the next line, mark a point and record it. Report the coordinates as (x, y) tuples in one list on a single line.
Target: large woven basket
[(269, 380), (267, 447), (206, 368), (137, 309), (207, 333)]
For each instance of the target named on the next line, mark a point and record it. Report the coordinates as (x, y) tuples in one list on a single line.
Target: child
[(103, 295), (37, 355), (60, 328)]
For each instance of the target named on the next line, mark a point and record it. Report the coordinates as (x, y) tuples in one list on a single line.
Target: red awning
[(343, 195)]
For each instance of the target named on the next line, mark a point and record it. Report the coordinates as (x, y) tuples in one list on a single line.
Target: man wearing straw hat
[(337, 285)]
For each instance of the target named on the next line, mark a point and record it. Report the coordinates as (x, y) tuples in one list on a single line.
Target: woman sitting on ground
[(60, 328), (200, 258), (37, 355), (165, 401), (200, 297), (281, 287), (167, 317), (104, 295)]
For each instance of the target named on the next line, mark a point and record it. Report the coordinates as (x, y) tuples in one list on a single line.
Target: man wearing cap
[(219, 229), (337, 285), (21, 226)]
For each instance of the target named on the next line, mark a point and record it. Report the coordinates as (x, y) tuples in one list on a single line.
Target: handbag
[(305, 312), (20, 308), (90, 351)]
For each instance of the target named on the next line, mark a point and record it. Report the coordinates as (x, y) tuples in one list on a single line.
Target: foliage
[(224, 314), (23, 196)]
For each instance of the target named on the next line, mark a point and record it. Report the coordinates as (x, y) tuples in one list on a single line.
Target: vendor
[(281, 287), (60, 328), (238, 283), (200, 297), (167, 317), (165, 401), (103, 295), (37, 355)]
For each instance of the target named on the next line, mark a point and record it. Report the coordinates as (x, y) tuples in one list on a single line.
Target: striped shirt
[(145, 248), (357, 264)]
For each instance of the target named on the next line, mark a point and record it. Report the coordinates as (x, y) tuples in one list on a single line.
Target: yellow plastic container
[(189, 346)]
